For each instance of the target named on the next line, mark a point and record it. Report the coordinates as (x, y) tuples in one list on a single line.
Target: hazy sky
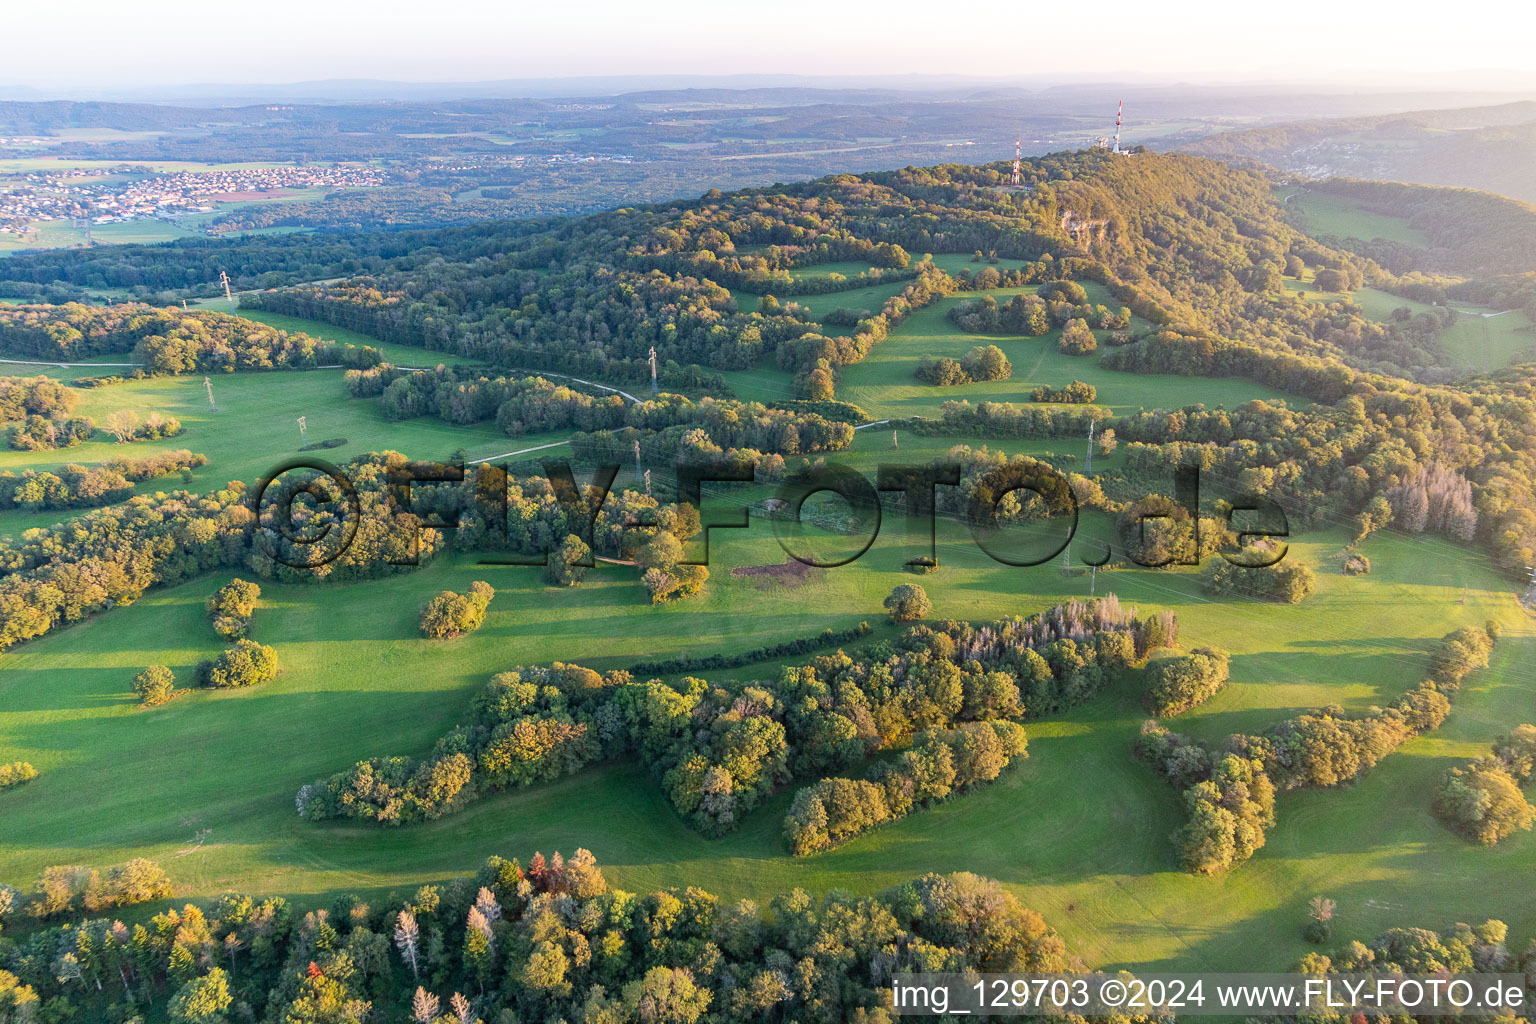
[(127, 43)]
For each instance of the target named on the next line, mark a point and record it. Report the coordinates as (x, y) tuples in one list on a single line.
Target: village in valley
[(130, 192)]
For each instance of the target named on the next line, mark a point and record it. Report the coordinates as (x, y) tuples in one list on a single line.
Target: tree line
[(545, 940), (1229, 792), (167, 341), (75, 486), (941, 763), (719, 751), (59, 574)]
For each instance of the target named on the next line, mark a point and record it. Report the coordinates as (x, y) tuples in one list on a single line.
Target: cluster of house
[(132, 193)]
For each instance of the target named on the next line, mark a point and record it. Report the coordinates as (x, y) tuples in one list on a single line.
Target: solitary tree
[(407, 938), (565, 567), (424, 1006), (1320, 917), (908, 602), (123, 425), (155, 685)]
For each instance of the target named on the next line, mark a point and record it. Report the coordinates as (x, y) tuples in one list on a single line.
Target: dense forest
[(549, 940)]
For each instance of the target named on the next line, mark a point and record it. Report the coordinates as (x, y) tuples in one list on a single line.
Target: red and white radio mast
[(1018, 163), (1119, 111)]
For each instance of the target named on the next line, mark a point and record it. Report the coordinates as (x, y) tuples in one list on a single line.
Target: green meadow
[(883, 383), (253, 428), (1324, 214), (1484, 342), (205, 784), (1480, 340)]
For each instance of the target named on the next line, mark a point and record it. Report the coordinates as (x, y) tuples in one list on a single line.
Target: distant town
[(135, 192)]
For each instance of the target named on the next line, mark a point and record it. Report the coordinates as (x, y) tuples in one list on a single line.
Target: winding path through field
[(525, 451), (44, 362)]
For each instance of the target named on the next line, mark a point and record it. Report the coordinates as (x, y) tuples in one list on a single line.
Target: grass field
[(1080, 832), (884, 385), (871, 298), (1477, 341), (1336, 215), (253, 429), (1489, 342)]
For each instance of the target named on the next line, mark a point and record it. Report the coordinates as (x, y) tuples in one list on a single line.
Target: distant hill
[(1491, 148)]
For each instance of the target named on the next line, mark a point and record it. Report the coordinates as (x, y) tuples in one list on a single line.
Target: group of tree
[(568, 564), (73, 486), (939, 764), (1157, 532), (1460, 949), (450, 614), (690, 663), (1075, 393), (107, 557), (719, 751), (1434, 499), (1454, 462), (1254, 573), (664, 572), (155, 464), (166, 340), (1176, 683), (1229, 791), (231, 607), (15, 773), (982, 363), (65, 889), (1055, 304), (247, 663), (524, 405), (1482, 799), (41, 433), (126, 427), (1077, 339), (549, 940), (21, 397)]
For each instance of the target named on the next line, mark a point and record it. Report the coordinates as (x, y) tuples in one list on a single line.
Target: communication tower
[(1018, 163)]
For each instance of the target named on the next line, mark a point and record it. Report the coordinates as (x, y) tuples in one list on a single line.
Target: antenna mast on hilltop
[(1119, 112), (1018, 163)]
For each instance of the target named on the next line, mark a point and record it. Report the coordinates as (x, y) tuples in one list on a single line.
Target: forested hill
[(1193, 262), (1183, 242), (1187, 232)]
